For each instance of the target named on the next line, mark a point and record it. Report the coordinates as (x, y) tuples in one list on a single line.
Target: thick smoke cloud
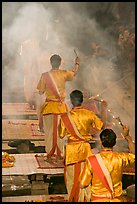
[(39, 29)]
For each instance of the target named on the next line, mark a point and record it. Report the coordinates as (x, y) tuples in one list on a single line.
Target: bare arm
[(127, 136), (77, 62)]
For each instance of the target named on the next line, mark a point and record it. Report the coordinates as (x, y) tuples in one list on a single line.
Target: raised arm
[(127, 136), (77, 62)]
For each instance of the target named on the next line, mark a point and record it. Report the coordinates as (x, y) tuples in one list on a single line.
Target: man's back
[(115, 163), (53, 103), (60, 77), (84, 120)]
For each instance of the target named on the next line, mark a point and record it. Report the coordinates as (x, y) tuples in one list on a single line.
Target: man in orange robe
[(52, 84), (76, 125), (103, 172)]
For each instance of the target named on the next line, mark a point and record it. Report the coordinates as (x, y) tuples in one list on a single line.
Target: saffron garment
[(77, 149), (53, 107), (115, 163)]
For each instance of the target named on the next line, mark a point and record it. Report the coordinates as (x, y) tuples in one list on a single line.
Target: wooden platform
[(17, 109), (38, 198), (46, 198), (21, 129), (26, 164)]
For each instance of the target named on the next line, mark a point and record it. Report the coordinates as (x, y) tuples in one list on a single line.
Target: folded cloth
[(16, 143)]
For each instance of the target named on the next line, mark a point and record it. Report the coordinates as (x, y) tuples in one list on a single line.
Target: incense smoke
[(32, 32)]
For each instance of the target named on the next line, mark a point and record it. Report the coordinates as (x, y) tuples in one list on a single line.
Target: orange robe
[(77, 151), (115, 163), (52, 108)]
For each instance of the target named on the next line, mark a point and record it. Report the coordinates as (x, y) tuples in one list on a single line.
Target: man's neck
[(107, 149), (55, 68)]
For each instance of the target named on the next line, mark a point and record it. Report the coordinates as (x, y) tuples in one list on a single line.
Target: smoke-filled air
[(101, 33)]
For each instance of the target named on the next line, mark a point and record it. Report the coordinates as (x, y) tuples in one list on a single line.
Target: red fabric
[(41, 122), (42, 164), (54, 146), (74, 195), (69, 126), (97, 169), (50, 84), (129, 170)]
